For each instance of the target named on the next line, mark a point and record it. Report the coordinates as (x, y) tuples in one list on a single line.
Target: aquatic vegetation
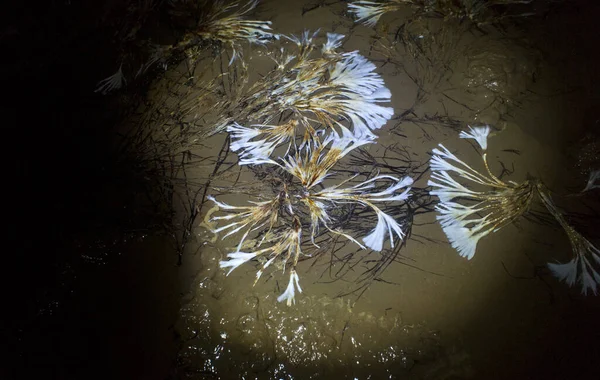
[(227, 24), (486, 211), (330, 108), (478, 11), (216, 23), (307, 89), (467, 215), (369, 12), (586, 255)]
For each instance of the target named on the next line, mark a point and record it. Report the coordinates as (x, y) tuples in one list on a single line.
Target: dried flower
[(485, 211), (252, 217), (479, 134), (586, 255), (467, 215), (369, 12), (334, 41), (289, 293), (315, 95)]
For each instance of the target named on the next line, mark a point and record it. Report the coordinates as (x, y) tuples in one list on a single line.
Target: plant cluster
[(327, 106), (467, 215)]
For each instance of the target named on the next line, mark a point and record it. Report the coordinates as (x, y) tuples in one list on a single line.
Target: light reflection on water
[(233, 331)]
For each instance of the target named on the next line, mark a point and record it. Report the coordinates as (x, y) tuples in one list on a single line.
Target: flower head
[(479, 134), (467, 215), (334, 41), (290, 293), (369, 12), (237, 259)]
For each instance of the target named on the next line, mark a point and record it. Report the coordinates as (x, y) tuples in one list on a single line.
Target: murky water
[(440, 317), (431, 314)]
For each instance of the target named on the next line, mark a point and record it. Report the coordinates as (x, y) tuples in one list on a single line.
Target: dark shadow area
[(87, 292)]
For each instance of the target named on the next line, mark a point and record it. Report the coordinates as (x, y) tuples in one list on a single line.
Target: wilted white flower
[(360, 194), (485, 211), (247, 216), (565, 272), (369, 12), (259, 150), (356, 74), (479, 134), (364, 112), (385, 224), (290, 293), (237, 259), (311, 166), (334, 41), (464, 239), (586, 255), (335, 100)]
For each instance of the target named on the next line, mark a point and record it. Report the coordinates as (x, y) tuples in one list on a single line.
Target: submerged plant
[(329, 107), (369, 12), (226, 23), (467, 215), (216, 23), (478, 11)]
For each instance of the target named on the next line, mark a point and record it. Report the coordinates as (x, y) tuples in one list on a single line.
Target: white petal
[(588, 282), (236, 259), (290, 293), (367, 12), (385, 224), (480, 134), (356, 73), (565, 272), (462, 239), (334, 40)]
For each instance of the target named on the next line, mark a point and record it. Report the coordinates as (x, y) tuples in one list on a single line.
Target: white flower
[(237, 259), (441, 162), (356, 74), (252, 217), (463, 239), (113, 82), (385, 223), (241, 135), (364, 112), (367, 12), (480, 134), (290, 293), (359, 192), (589, 279), (304, 40), (334, 41), (447, 187), (312, 167), (591, 184), (346, 141), (565, 272), (259, 150), (453, 213)]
